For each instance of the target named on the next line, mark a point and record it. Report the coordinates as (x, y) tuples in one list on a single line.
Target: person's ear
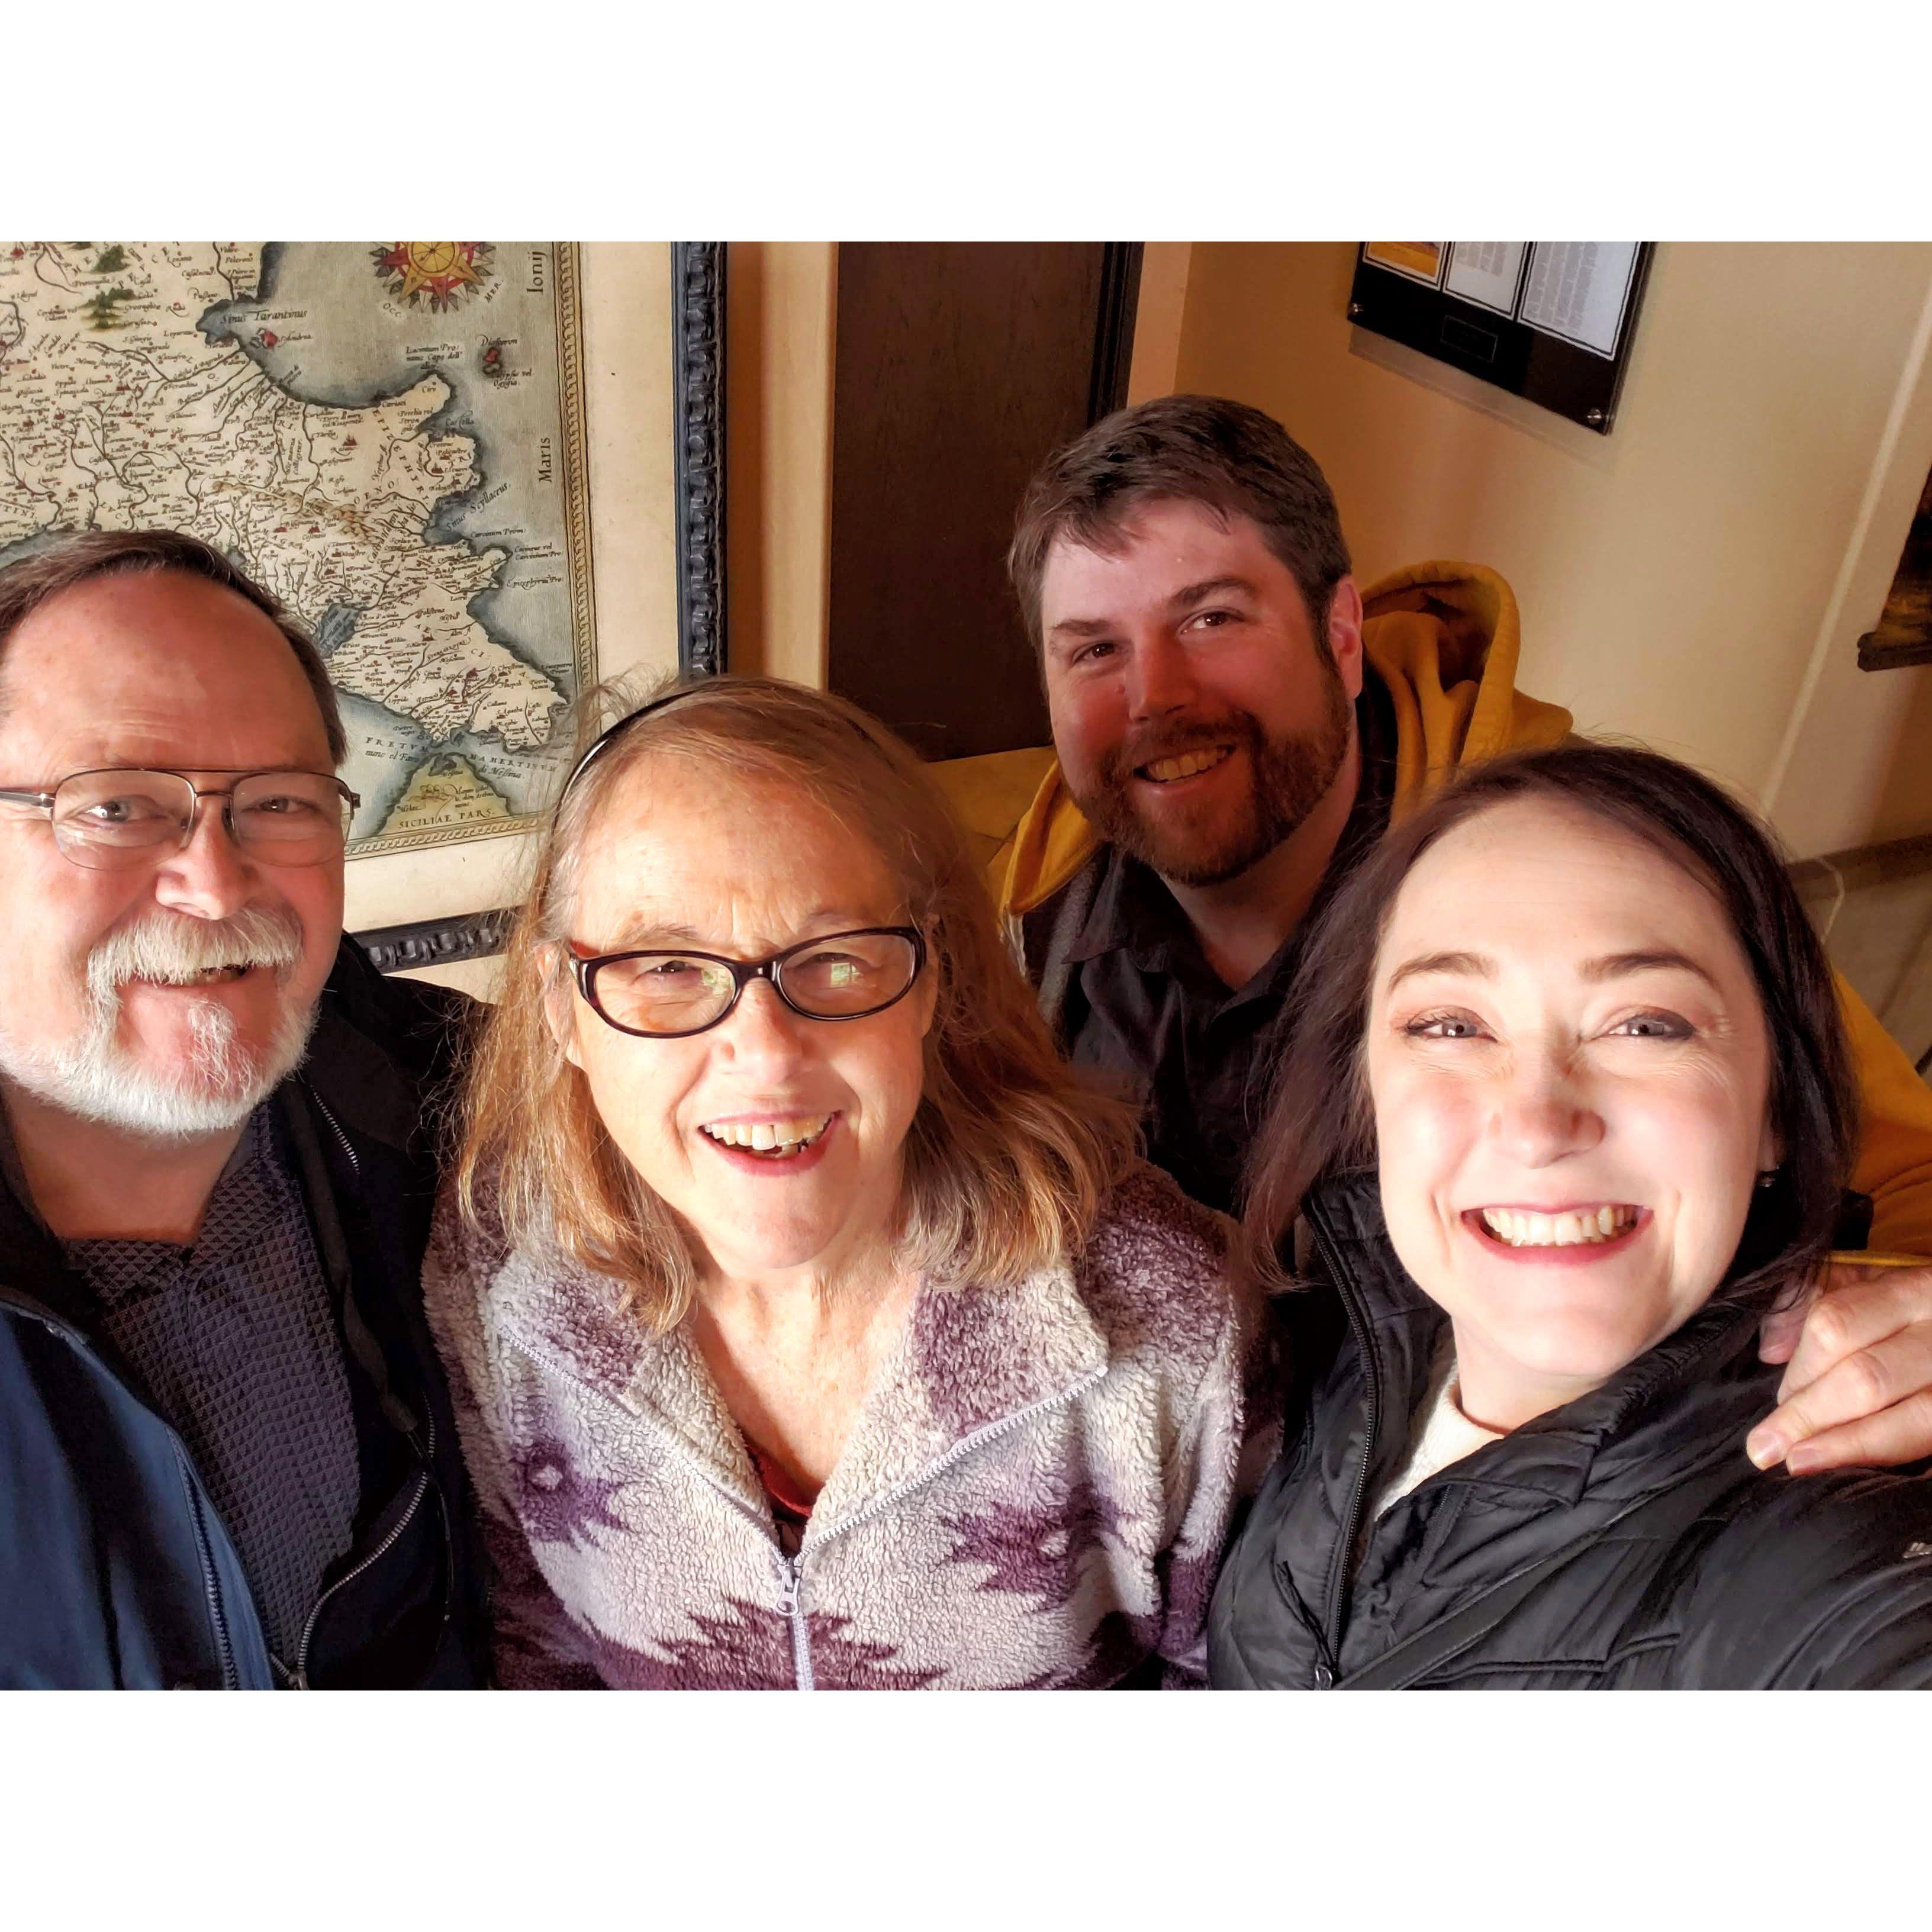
[(1345, 635), (1770, 1153), (560, 1003)]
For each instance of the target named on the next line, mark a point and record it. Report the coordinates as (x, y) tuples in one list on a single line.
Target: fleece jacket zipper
[(966, 1445), (791, 1569)]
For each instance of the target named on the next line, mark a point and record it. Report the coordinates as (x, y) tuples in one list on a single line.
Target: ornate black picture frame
[(697, 378), (697, 359)]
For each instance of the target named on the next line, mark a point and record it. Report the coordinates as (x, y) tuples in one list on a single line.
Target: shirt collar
[(253, 1190), (1133, 911)]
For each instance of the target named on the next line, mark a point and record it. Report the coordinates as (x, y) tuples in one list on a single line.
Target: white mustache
[(170, 946)]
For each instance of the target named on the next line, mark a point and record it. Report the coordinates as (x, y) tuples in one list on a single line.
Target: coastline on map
[(270, 397), (517, 505), (389, 753)]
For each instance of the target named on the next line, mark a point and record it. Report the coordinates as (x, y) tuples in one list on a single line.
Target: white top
[(1440, 1433)]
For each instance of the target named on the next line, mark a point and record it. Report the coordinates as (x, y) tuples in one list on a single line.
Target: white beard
[(93, 1077)]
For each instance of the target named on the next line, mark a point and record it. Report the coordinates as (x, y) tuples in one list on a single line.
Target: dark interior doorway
[(959, 365)]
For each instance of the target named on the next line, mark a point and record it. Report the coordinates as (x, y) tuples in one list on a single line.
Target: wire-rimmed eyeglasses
[(115, 819), (664, 994)]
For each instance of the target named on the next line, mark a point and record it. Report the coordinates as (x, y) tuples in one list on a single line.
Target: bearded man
[(1234, 724), (1222, 751), (227, 1458)]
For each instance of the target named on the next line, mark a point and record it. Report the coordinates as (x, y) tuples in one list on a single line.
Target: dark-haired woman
[(1568, 1108)]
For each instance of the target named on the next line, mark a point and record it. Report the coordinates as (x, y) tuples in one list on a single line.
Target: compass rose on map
[(441, 272)]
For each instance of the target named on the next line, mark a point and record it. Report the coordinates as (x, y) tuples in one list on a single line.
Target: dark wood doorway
[(959, 367)]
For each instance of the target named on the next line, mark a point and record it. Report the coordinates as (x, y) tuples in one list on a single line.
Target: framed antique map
[(401, 440)]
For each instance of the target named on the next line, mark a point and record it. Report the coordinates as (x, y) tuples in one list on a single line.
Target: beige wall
[(1158, 319), (1698, 578), (780, 299)]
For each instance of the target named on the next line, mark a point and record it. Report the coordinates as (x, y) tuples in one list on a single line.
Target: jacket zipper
[(335, 1128), (1327, 1669), (966, 1446), (793, 1602), (791, 1606), (298, 1679), (231, 1678), (791, 1569)]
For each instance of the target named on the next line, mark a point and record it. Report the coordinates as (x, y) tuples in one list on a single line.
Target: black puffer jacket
[(114, 1569), (1622, 1540)]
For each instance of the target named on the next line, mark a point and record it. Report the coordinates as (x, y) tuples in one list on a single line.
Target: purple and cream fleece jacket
[(1034, 1495)]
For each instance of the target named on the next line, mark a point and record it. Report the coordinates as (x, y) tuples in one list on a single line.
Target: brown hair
[(1231, 460), (75, 558), (1319, 1121), (1008, 1158)]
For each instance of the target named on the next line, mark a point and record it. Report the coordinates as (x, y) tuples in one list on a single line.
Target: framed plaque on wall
[(1552, 321)]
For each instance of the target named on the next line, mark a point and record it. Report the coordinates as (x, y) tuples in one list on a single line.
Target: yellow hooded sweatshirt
[(1442, 639)]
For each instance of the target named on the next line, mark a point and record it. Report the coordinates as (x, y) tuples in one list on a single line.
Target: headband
[(610, 735)]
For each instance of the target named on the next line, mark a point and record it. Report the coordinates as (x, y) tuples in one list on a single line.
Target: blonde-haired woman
[(809, 1326)]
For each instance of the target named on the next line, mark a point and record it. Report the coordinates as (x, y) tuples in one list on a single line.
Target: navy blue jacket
[(116, 1570)]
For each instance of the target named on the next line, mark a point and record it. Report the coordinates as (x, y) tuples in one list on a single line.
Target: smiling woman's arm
[(1824, 1585), (534, 1644), (1203, 1479)]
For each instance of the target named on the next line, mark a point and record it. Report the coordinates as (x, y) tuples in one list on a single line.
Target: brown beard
[(1291, 777)]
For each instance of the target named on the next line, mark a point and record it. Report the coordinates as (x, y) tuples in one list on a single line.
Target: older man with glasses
[(226, 1454)]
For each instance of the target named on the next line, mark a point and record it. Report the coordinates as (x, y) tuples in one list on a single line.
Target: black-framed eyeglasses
[(114, 820), (664, 994)]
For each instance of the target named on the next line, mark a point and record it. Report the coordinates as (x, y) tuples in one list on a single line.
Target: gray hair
[(78, 557)]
